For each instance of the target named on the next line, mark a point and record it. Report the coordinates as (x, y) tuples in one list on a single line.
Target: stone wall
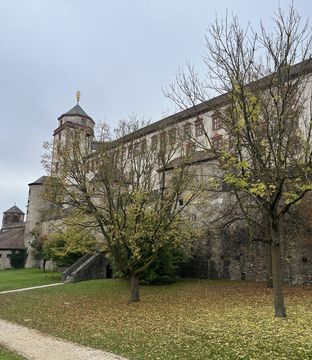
[(90, 266), (230, 256), (5, 256)]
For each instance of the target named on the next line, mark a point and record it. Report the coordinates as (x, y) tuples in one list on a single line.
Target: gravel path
[(37, 346), (30, 288)]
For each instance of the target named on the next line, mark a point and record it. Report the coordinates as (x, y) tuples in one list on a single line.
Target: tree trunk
[(134, 287), (267, 244), (44, 265), (269, 266), (277, 273)]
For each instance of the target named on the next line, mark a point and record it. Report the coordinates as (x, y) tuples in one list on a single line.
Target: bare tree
[(265, 111)]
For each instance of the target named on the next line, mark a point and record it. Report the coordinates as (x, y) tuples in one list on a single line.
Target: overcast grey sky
[(118, 53)]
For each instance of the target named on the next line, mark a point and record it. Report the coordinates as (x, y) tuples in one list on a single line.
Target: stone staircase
[(89, 266)]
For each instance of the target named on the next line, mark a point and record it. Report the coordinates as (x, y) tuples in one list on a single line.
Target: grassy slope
[(187, 320), (8, 355), (15, 279)]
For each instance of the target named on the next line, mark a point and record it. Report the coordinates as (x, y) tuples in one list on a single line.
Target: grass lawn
[(20, 278), (193, 319), (8, 355)]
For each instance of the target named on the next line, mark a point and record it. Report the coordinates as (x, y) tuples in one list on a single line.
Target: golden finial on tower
[(78, 96)]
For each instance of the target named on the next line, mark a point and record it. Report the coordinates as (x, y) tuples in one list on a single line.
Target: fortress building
[(230, 256)]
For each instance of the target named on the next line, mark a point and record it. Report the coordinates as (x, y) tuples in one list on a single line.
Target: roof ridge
[(14, 209)]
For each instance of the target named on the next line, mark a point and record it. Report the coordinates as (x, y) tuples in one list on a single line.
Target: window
[(154, 142), (180, 202), (136, 149), (187, 130), (143, 146), (217, 143), (163, 141), (172, 136), (216, 122), (199, 127), (123, 154), (59, 136), (130, 151), (190, 147), (0, 255), (58, 148), (8, 255)]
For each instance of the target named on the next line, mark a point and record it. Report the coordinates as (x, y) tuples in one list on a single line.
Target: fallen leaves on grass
[(187, 320)]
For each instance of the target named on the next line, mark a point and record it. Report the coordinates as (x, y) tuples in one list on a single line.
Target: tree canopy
[(265, 117), (127, 194)]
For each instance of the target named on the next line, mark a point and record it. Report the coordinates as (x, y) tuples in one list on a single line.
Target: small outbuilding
[(12, 249)]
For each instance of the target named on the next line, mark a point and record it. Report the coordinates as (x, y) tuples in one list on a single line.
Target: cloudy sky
[(118, 53)]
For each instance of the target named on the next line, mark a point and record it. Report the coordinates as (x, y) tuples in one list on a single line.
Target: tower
[(35, 210), (12, 248), (74, 121), (13, 218)]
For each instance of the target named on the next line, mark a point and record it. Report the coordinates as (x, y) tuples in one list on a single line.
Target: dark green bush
[(18, 258), (164, 268)]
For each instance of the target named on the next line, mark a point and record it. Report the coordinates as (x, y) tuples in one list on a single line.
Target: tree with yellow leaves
[(127, 194), (265, 81)]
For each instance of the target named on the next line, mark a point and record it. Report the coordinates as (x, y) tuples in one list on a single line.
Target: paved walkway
[(34, 345), (30, 288)]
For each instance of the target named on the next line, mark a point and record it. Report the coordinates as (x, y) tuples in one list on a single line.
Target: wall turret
[(35, 211)]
